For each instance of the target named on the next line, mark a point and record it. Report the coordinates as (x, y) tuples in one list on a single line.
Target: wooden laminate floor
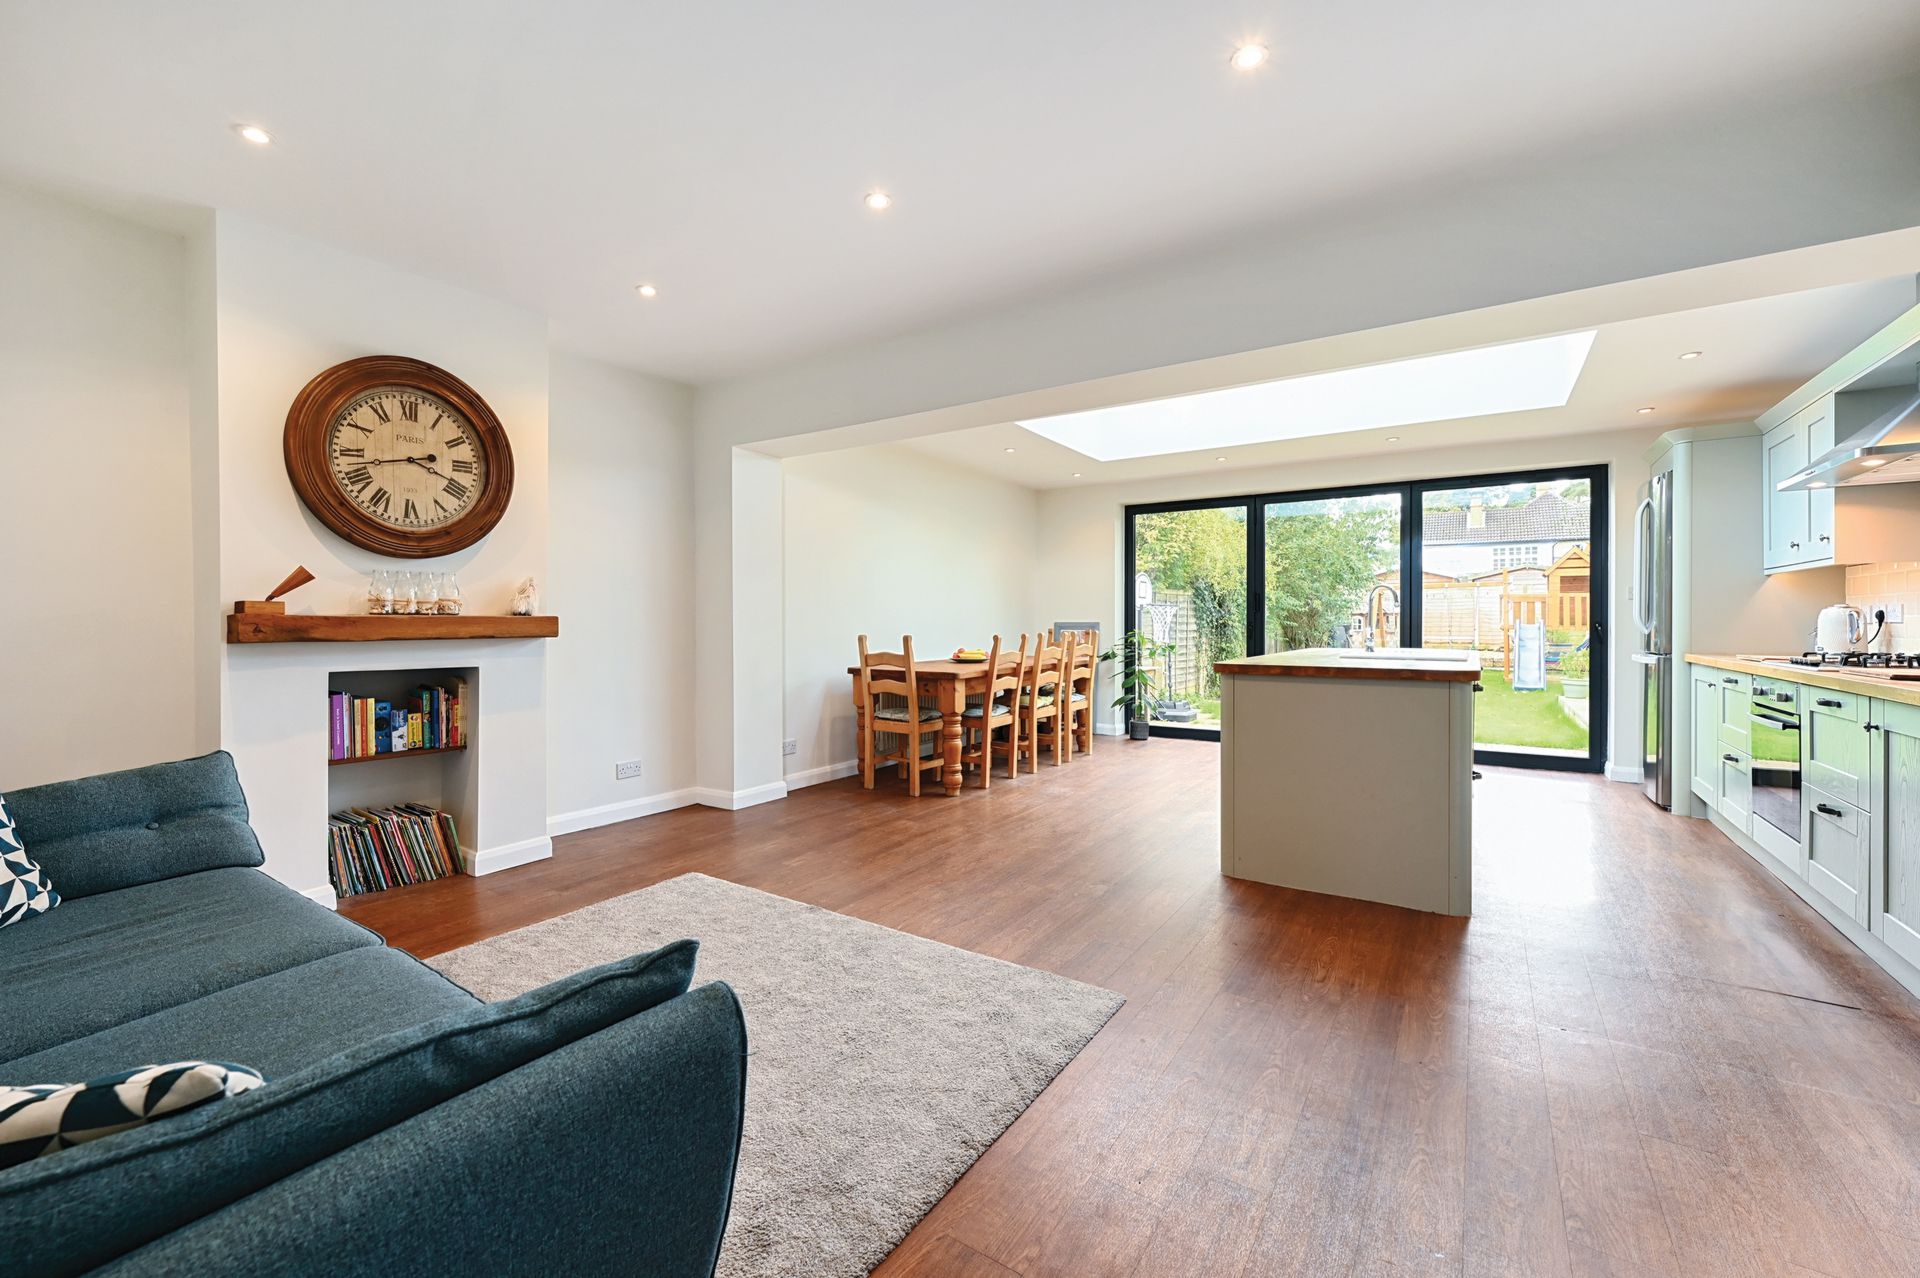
[(1641, 1057)]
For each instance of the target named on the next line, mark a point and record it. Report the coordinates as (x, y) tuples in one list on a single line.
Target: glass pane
[(1333, 573), (1190, 598), (1508, 572)]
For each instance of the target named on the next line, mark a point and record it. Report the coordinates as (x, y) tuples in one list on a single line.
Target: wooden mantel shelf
[(292, 628)]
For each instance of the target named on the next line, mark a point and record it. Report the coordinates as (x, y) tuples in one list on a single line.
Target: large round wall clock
[(398, 456)]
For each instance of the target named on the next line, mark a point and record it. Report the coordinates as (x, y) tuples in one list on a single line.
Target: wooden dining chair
[(884, 674), (1040, 722), (994, 713), (1079, 690)]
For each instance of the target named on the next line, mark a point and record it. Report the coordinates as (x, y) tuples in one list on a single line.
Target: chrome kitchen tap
[(1372, 595)]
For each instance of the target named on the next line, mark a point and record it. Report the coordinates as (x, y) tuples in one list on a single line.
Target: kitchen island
[(1351, 773)]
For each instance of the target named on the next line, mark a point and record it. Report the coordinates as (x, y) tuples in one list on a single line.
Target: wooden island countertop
[(1353, 663)]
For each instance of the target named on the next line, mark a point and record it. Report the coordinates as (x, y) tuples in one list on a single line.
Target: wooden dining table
[(946, 685)]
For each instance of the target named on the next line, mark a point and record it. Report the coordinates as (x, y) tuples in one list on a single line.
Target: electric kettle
[(1840, 629)]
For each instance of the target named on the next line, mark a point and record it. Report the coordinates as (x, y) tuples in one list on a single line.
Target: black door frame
[(1412, 603)]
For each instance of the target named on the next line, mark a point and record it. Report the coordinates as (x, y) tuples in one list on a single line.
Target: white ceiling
[(556, 154), (1752, 354)]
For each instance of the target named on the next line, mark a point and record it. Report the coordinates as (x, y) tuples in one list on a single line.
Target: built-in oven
[(1773, 723)]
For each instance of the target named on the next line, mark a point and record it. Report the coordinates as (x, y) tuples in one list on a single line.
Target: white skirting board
[(734, 800), (1628, 774), (493, 860), (323, 896), (611, 813), (817, 776)]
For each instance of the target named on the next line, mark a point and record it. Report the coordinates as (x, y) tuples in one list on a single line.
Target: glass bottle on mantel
[(428, 594), (380, 592), (405, 602), (450, 595)]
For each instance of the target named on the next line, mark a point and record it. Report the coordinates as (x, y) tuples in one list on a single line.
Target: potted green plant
[(1139, 683), (1573, 674)]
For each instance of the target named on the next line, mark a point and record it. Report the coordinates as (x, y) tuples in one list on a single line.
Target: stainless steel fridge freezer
[(1653, 648)]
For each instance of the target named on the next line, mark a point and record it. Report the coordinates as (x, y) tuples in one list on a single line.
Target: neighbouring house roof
[(1548, 517)]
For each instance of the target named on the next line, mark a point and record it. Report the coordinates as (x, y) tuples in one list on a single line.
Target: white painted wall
[(884, 542), (96, 516), (287, 309), (621, 550), (1081, 542)]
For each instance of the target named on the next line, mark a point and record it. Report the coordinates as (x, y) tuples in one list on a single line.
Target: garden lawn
[(1503, 717)]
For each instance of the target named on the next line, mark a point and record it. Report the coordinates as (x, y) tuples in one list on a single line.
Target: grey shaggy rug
[(880, 1064)]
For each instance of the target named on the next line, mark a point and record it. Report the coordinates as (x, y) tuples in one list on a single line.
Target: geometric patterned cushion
[(48, 1117), (24, 888), (899, 714)]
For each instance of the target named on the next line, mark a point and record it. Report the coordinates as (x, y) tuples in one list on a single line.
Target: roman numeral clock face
[(398, 457), (406, 458)]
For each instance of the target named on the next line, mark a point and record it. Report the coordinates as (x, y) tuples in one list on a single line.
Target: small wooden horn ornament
[(272, 604)]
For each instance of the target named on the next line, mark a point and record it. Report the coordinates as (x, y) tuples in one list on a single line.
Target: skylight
[(1516, 377)]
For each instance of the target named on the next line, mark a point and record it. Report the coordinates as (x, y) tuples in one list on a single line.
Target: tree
[(1319, 569)]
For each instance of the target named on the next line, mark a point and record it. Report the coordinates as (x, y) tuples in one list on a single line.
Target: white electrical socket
[(790, 746), (1896, 613), (627, 770)]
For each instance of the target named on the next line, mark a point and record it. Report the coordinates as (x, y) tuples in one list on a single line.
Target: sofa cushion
[(137, 826), (121, 829), (79, 1209), (279, 1024), (610, 1155), (45, 1118), (24, 890), (106, 959)]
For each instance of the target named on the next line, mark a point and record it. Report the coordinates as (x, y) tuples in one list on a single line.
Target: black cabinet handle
[(1824, 537), (1830, 703), (1729, 680), (1826, 809), (1873, 727), (1479, 687), (1731, 758)]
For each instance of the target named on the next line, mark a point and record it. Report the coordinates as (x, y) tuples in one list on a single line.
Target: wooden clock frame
[(320, 402)]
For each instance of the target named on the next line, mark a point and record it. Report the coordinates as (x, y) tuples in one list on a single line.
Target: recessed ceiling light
[(254, 133), (1873, 461), (1647, 409), (1516, 377), (1219, 459), (646, 290), (1076, 474), (1250, 56), (1818, 483), (1393, 439), (1690, 354), (1006, 450), (879, 201)]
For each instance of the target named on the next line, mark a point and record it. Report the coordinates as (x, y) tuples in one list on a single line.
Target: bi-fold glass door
[(1505, 566)]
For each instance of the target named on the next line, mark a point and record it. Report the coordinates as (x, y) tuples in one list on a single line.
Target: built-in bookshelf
[(399, 824)]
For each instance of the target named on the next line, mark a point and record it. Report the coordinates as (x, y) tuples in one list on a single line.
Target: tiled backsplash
[(1869, 585)]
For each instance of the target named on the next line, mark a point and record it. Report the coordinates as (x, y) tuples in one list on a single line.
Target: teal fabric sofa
[(590, 1127)]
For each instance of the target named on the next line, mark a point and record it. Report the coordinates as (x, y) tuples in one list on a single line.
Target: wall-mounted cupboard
[(1821, 527), (1826, 439)]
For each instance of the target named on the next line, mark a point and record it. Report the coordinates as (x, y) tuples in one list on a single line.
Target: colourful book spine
[(396, 727), (383, 727), (336, 725)]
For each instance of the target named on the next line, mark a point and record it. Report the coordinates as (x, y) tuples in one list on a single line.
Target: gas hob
[(1855, 661)]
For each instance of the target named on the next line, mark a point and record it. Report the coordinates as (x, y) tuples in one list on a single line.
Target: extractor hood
[(1884, 451)]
